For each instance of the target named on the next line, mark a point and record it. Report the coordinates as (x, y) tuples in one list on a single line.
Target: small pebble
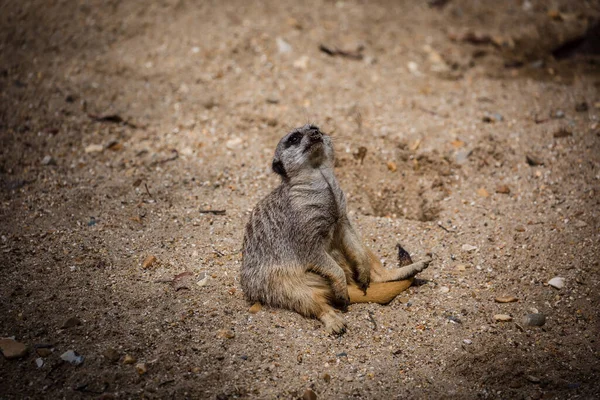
[(141, 368), (226, 334), (467, 341), (202, 279), (534, 319), (256, 307), (111, 355), (94, 148), (444, 289), (505, 299), (12, 349), (533, 160), (468, 248), (39, 362), (502, 318), (503, 189), (43, 352), (72, 357), (326, 378), (309, 395), (283, 46), (148, 262), (48, 160), (234, 143), (533, 379), (557, 282), (129, 359)]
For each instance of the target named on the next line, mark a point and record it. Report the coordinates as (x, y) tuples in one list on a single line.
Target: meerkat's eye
[(294, 139)]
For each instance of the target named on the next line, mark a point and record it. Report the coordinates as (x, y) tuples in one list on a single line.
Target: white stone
[(557, 282)]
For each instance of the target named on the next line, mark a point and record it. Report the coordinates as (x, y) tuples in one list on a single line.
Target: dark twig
[(113, 118), (215, 212), (166, 160), (334, 51), (147, 190)]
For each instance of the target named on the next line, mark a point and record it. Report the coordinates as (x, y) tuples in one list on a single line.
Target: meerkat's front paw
[(334, 323)]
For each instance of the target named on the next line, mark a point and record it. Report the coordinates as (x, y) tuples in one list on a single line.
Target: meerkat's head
[(302, 148)]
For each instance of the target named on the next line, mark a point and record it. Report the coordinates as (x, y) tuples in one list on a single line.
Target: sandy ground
[(121, 121)]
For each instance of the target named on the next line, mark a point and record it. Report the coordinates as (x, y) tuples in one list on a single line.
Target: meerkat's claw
[(334, 323)]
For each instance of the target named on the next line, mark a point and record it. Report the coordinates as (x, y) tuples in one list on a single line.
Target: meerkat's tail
[(381, 293)]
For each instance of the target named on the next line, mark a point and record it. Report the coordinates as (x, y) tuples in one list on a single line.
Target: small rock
[(111, 355), (392, 166), (580, 224), (234, 143), (301, 63), (226, 334), (256, 307), (562, 133), (326, 378), (533, 160), (48, 160), (461, 267), (502, 189), (43, 352), (283, 46), (444, 289), (39, 362), (148, 262), (468, 248), (502, 318), (533, 379), (482, 192), (467, 341), (557, 282), (309, 395), (559, 114), (202, 279), (129, 359), (581, 107), (12, 349), (72, 357), (492, 117), (141, 368), (462, 156), (534, 319), (71, 323), (93, 148), (506, 299), (210, 103), (114, 145)]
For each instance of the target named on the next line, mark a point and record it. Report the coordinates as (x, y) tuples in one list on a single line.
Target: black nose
[(315, 135)]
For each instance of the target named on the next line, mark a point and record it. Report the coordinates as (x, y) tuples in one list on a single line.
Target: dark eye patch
[(294, 139)]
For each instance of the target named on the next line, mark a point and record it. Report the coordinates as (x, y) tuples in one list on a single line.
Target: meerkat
[(300, 251)]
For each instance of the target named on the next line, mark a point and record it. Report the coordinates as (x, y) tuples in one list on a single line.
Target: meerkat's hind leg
[(312, 298), (397, 274)]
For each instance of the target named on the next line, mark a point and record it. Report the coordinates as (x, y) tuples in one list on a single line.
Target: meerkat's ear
[(278, 167)]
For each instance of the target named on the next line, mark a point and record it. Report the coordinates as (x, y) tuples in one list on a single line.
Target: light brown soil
[(205, 94)]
